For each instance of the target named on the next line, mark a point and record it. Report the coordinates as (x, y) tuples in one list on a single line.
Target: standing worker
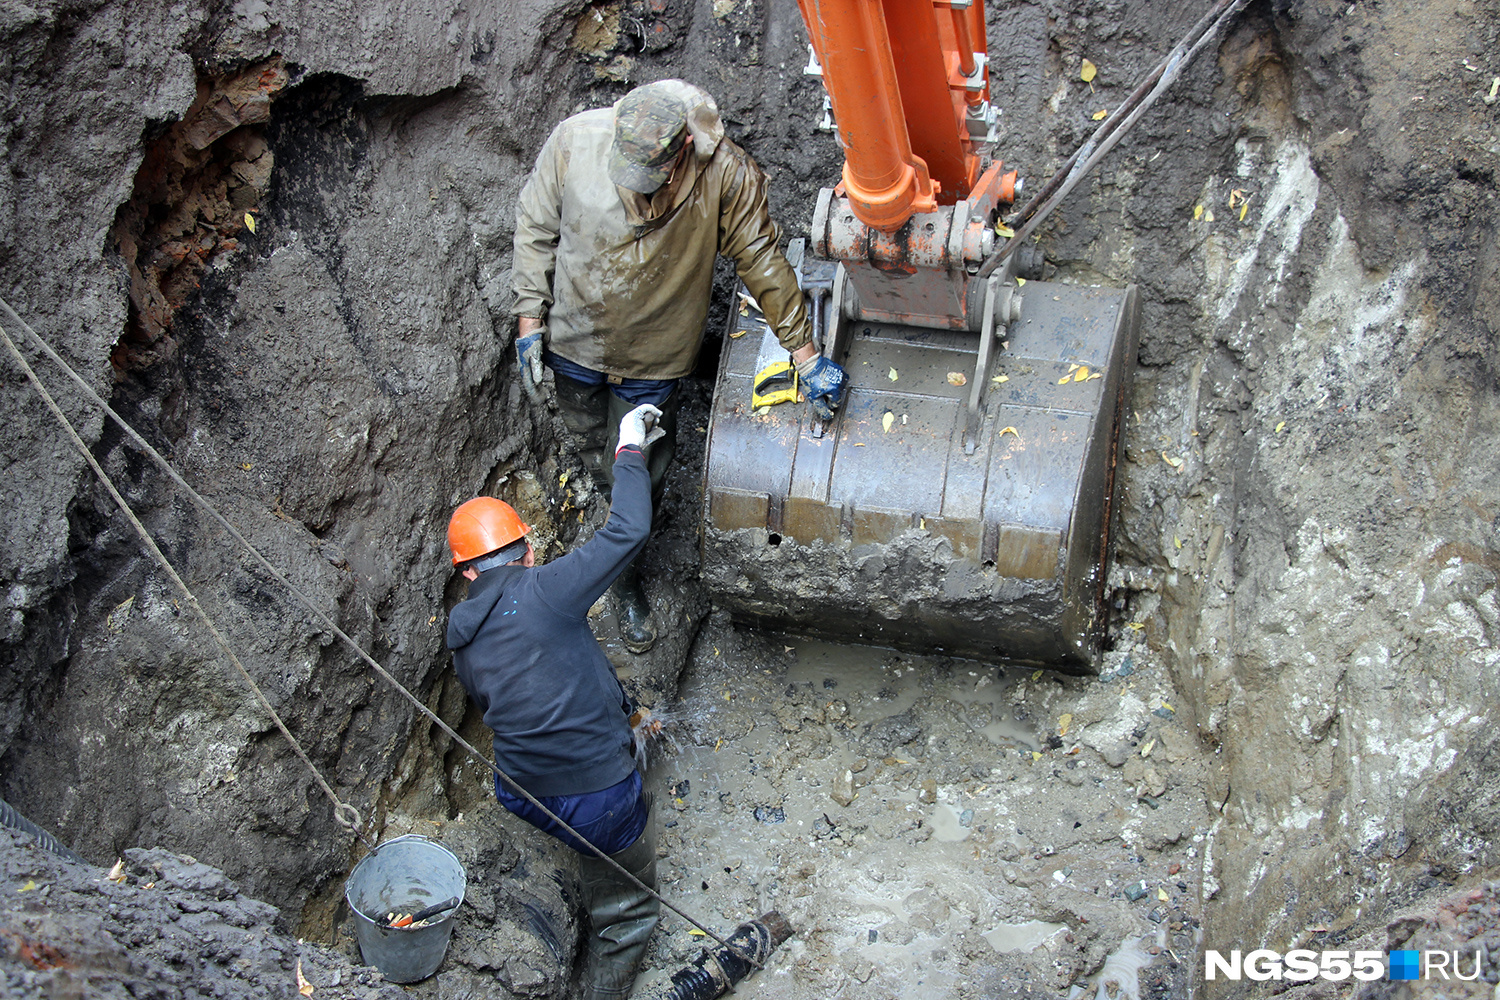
[(523, 649), (616, 232)]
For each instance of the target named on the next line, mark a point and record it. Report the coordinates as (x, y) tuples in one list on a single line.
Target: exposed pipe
[(714, 973)]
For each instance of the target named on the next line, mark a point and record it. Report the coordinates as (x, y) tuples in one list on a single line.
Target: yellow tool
[(775, 383)]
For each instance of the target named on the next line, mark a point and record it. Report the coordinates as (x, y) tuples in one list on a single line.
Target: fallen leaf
[(1208, 215), (246, 466), (432, 620), (1244, 209), (303, 986), (1081, 374), (1087, 72), (921, 524), (1197, 212), (1008, 430), (892, 375), (1101, 114), (117, 873), (1094, 376), (149, 885), (1146, 750), (736, 335), (1035, 756), (1136, 626), (1036, 676), (1161, 894), (1280, 426), (250, 222), (562, 480), (1175, 463), (695, 932), (887, 420), (1063, 723), (1177, 541), (1065, 380), (30, 885), (1004, 231), (1000, 379), (1020, 282), (1168, 706), (1073, 367), (957, 378)]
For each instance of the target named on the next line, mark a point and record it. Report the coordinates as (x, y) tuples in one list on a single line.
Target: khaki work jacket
[(631, 299)]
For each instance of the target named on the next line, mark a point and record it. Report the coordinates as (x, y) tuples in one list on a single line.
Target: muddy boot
[(637, 628), (621, 916)]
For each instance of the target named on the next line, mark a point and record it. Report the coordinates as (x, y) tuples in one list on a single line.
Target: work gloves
[(639, 427), (529, 355), (823, 383)]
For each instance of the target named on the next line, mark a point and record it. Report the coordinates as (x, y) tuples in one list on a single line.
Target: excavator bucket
[(884, 528)]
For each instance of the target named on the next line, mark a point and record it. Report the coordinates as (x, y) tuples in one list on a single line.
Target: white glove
[(639, 427)]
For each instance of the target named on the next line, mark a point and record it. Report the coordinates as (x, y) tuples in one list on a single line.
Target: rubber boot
[(621, 916), (637, 627)]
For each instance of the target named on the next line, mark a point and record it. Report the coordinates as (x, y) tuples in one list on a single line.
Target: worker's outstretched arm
[(538, 220), (747, 234), (574, 582)]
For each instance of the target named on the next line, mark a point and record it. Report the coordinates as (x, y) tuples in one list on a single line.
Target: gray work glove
[(529, 357), (639, 427)]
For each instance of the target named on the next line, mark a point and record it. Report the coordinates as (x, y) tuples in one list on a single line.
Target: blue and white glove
[(639, 427), (529, 357), (823, 383)]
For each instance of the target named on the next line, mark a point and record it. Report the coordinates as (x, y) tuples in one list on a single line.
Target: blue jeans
[(611, 819)]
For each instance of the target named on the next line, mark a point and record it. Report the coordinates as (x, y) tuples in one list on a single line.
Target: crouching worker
[(523, 649)]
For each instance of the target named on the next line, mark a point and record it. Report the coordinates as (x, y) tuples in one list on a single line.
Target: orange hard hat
[(481, 526)]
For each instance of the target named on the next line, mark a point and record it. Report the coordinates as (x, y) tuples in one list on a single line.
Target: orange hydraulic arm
[(906, 79)]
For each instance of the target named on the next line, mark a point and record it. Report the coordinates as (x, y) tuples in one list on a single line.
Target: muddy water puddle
[(913, 818)]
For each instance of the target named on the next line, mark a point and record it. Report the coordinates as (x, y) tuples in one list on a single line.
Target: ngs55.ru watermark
[(1301, 965)]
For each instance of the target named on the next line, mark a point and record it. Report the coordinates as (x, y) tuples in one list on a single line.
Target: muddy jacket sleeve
[(538, 218), (572, 584), (747, 234)]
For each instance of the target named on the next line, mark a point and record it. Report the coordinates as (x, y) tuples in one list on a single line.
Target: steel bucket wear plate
[(896, 537)]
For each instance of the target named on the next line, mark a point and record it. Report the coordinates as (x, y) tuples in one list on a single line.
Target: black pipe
[(713, 973), (9, 817)]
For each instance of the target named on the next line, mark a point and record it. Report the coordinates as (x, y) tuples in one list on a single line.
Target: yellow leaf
[(1008, 430), (1063, 722), (250, 222), (1280, 426), (1020, 282), (117, 873), (432, 620), (30, 885), (1036, 676), (887, 420), (1004, 231), (1081, 374), (1175, 463), (727, 696), (892, 375), (1146, 750), (1243, 209), (303, 986), (1208, 215), (695, 932), (1095, 375), (246, 466), (1087, 72), (1161, 894), (1065, 380), (736, 335), (922, 524), (957, 378), (1073, 367), (718, 744), (1101, 114), (1197, 212), (1177, 541), (1000, 379), (1136, 626), (1168, 706), (1035, 756)]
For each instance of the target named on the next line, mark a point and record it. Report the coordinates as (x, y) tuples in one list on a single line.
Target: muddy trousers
[(592, 414), (621, 916)]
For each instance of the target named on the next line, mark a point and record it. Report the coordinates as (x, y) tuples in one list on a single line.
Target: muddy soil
[(1298, 706)]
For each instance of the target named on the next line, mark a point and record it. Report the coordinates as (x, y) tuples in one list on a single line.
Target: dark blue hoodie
[(523, 649)]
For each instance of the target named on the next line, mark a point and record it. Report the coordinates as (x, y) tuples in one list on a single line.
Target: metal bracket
[(1002, 306)]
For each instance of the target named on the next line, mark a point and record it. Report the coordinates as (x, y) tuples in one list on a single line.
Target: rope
[(317, 612), (1115, 128)]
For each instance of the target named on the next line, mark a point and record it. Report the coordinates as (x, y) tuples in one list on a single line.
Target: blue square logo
[(1405, 965)]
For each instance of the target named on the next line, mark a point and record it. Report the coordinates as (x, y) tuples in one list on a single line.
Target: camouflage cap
[(650, 129)]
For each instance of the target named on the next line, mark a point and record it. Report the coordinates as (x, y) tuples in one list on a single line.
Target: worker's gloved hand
[(823, 383), (639, 427), (529, 356)]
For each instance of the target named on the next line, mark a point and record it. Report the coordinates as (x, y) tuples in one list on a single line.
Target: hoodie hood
[(468, 616)]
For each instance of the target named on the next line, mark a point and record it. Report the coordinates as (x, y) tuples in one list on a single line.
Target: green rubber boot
[(621, 916)]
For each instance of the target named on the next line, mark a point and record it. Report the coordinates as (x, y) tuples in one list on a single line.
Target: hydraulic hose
[(9, 817), (714, 973)]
